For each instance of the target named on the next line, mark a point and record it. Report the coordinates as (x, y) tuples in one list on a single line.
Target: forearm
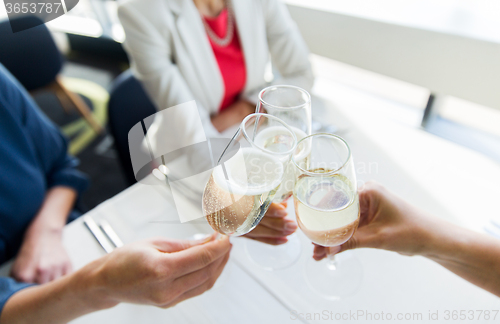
[(156, 272), (472, 256), (55, 209), (59, 301)]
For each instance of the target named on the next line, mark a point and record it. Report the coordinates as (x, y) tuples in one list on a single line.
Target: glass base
[(272, 257), (335, 279)]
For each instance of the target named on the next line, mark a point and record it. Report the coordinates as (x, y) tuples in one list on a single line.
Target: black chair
[(128, 105), (33, 58)]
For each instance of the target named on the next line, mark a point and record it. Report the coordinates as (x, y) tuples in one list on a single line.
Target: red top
[(230, 60)]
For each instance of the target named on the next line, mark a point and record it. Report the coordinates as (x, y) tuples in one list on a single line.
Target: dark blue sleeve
[(8, 287), (50, 145)]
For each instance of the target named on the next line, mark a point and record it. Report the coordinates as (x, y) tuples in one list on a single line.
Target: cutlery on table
[(98, 234), (110, 233)]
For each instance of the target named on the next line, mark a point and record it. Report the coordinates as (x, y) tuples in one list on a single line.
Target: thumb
[(356, 241), (169, 245)]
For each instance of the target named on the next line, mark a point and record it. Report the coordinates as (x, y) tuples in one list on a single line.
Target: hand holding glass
[(327, 209), (248, 174)]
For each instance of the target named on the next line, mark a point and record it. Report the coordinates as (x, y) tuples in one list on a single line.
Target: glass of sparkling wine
[(292, 105), (248, 175), (327, 209)]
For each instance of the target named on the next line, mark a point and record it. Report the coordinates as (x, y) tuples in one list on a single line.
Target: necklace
[(222, 42)]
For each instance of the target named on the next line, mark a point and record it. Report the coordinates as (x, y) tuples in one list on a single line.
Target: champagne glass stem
[(332, 263)]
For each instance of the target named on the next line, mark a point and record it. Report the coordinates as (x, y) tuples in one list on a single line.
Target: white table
[(145, 211), (392, 283)]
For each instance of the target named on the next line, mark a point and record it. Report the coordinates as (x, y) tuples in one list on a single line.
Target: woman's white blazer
[(172, 56)]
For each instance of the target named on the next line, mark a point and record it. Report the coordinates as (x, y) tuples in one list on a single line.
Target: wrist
[(37, 231), (47, 224), (445, 241), (249, 108), (89, 284)]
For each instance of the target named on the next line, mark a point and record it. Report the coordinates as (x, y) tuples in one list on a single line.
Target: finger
[(68, 268), (27, 276), (197, 278), (319, 257), (169, 245), (56, 272), (319, 252), (198, 256), (349, 245), (285, 203), (276, 210), (286, 226), (42, 276), (271, 241), (369, 202), (365, 237), (192, 280), (204, 286), (264, 231)]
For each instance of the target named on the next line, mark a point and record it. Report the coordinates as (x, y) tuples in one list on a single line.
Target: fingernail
[(282, 240), (202, 238), (290, 226), (280, 212)]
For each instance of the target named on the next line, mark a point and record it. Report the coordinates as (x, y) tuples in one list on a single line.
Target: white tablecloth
[(392, 284)]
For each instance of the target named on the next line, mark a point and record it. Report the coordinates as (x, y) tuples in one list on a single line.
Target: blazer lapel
[(198, 49), (252, 33)]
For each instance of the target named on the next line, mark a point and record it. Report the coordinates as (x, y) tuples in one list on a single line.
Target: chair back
[(128, 105), (30, 55)]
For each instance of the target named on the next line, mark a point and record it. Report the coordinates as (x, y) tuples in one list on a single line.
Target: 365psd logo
[(35, 12)]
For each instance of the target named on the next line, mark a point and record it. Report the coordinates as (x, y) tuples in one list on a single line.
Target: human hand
[(274, 227), (160, 271), (42, 257), (232, 115), (387, 222), (244, 107)]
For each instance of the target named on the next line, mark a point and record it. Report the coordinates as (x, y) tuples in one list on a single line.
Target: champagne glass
[(248, 175), (292, 105), (327, 209)]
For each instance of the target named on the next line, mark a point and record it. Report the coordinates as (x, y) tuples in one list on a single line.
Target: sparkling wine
[(327, 208), (240, 190), (277, 136)]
